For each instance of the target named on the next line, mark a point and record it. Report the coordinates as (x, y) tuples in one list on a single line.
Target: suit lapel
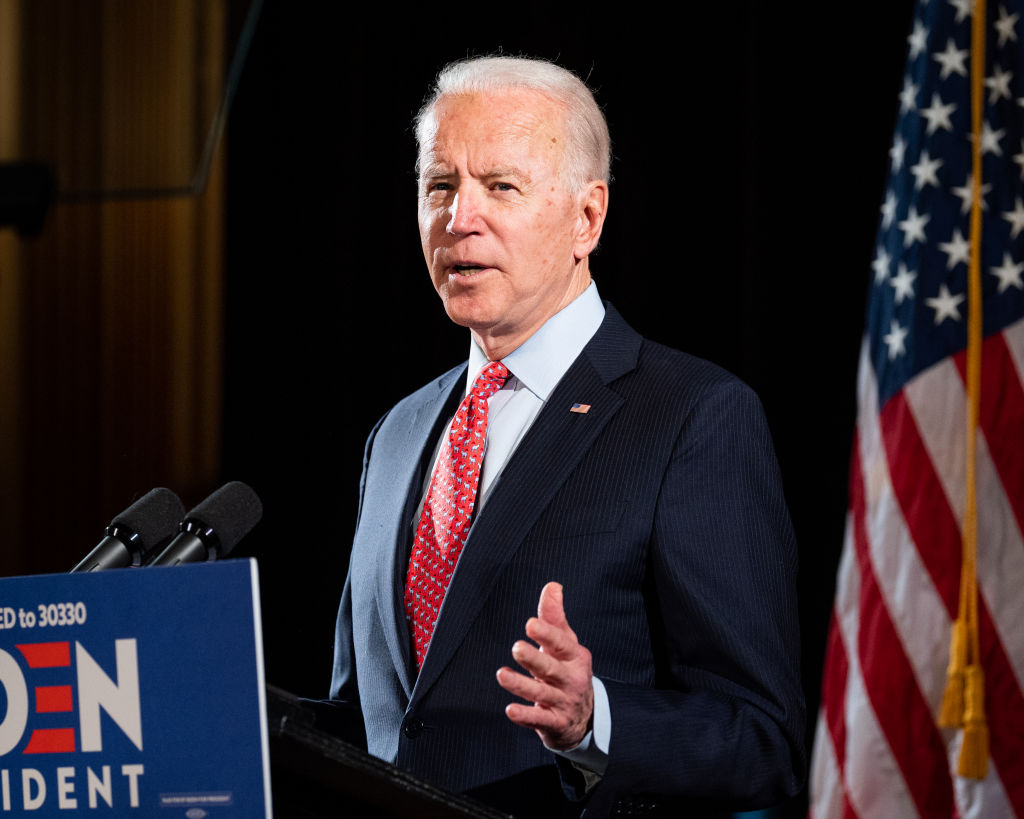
[(545, 458), (423, 430)]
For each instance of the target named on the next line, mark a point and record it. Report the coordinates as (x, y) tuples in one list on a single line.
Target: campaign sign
[(134, 692)]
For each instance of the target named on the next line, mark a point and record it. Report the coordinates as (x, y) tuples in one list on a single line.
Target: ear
[(593, 206)]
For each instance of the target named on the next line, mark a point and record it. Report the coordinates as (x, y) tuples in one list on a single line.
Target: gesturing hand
[(560, 686)]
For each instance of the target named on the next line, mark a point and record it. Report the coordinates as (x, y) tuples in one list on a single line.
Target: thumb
[(550, 609)]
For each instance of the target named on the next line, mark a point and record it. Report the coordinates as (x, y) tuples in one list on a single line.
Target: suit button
[(412, 727)]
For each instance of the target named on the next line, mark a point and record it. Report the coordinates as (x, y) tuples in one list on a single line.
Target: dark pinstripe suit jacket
[(661, 513)]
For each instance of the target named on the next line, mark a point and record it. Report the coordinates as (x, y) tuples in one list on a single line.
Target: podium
[(141, 692), (316, 774)]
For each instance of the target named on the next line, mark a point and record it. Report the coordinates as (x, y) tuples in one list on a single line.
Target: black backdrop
[(750, 149)]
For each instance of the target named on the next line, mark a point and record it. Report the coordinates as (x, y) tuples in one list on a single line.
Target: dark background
[(750, 150)]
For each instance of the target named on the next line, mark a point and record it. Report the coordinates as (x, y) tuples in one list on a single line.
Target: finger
[(556, 728), (529, 688), (550, 607), (540, 664), (530, 716), (559, 641)]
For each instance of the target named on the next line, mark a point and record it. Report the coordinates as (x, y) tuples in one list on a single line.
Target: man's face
[(500, 230)]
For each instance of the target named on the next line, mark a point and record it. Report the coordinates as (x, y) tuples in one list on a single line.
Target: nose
[(464, 214)]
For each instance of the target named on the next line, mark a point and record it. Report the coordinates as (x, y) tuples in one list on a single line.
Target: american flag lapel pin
[(583, 409)]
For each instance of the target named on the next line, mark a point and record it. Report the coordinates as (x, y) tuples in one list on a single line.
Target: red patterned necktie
[(444, 523)]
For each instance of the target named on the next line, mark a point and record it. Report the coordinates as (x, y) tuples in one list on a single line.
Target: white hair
[(588, 154)]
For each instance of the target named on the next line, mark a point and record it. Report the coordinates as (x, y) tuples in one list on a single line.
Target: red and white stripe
[(879, 753)]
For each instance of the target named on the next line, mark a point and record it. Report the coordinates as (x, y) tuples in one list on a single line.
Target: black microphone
[(214, 527), (137, 533)]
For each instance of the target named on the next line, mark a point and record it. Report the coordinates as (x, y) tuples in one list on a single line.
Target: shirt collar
[(540, 362)]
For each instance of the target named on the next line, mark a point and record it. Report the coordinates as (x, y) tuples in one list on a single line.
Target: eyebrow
[(511, 170), (435, 169), (441, 171)]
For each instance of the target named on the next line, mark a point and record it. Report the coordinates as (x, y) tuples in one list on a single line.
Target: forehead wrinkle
[(534, 121)]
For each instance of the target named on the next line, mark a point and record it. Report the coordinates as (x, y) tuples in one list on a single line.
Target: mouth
[(468, 269)]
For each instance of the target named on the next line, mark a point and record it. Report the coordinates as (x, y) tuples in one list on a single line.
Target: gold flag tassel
[(951, 713), (963, 703)]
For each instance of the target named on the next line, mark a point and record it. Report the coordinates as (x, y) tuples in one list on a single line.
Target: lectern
[(315, 774), (140, 692)]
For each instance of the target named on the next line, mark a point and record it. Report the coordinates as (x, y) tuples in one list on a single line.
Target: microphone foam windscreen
[(232, 511), (153, 517)]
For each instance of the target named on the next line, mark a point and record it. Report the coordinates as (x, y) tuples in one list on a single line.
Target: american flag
[(879, 750)]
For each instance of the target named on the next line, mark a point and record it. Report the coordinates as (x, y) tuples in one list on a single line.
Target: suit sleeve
[(725, 720), (346, 719)]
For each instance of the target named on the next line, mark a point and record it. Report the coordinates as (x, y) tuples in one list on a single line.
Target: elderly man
[(623, 494)]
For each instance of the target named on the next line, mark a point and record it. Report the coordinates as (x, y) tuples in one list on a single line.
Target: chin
[(467, 312), (470, 320)]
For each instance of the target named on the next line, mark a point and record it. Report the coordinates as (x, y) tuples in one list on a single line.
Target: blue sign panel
[(134, 692)]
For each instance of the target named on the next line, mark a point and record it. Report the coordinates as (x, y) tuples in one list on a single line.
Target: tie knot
[(490, 380)]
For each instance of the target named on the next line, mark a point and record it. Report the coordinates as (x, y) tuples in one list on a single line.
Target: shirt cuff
[(592, 752)]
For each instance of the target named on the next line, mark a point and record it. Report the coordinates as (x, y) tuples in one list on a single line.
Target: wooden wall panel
[(10, 287), (120, 301)]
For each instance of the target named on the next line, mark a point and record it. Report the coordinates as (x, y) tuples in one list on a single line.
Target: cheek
[(430, 235), (553, 232), (430, 216)]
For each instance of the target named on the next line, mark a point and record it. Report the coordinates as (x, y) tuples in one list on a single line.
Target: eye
[(504, 186), (438, 186)]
